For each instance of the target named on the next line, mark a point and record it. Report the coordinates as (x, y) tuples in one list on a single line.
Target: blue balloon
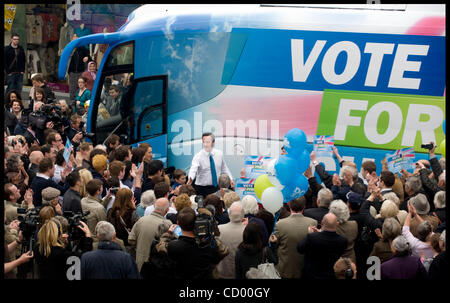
[(296, 190), (295, 142), (286, 168), (304, 161), (443, 126)]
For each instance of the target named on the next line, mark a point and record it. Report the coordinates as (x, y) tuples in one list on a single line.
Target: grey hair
[(148, 198), (393, 197), (423, 230), (105, 231), (250, 205), (162, 228), (391, 228), (401, 245), (13, 162), (101, 146), (224, 181), (325, 196), (414, 184), (236, 216), (340, 210), (439, 199), (352, 170)]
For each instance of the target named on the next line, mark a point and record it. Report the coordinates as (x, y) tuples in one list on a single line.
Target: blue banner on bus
[(318, 60)]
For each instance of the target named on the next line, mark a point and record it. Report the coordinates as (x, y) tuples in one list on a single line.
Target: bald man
[(144, 231), (322, 248), (35, 158)]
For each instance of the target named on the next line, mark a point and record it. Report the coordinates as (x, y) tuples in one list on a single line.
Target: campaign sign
[(246, 186), (67, 150), (401, 159), (323, 146), (255, 165)]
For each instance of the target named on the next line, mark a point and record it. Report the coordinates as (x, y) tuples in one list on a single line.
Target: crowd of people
[(137, 219), (126, 216)]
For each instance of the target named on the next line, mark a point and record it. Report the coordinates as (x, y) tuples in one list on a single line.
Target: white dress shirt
[(201, 168)]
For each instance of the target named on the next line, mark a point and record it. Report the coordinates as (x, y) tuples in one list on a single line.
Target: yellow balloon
[(442, 148), (261, 183)]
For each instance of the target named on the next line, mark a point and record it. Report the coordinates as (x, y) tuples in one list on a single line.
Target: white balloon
[(272, 199), (272, 175)]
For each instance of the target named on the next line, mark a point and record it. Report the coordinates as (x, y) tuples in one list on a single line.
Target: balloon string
[(277, 215)]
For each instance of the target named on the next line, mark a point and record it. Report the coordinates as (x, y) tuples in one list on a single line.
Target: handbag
[(125, 225), (265, 270)]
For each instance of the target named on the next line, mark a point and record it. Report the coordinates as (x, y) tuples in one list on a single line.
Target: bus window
[(111, 103), (149, 110), (121, 55)]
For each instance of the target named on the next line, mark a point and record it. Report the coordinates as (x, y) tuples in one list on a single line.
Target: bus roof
[(167, 19)]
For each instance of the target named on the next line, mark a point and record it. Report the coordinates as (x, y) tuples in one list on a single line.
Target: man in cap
[(50, 196), (422, 206)]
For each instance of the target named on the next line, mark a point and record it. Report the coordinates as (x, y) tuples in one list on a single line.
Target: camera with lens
[(205, 226), (428, 146), (46, 113), (74, 221), (29, 226), (87, 135)]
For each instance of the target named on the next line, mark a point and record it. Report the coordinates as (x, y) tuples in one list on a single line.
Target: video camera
[(74, 221), (29, 226), (47, 113), (427, 146), (205, 226)]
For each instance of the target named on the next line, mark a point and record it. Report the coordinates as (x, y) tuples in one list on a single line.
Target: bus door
[(150, 114)]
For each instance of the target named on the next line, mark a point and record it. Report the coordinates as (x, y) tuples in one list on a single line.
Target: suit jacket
[(39, 184), (349, 230), (321, 250), (316, 213), (142, 235), (289, 232), (97, 211), (231, 236), (72, 201)]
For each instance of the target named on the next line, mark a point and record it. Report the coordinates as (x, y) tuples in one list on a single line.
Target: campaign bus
[(372, 76)]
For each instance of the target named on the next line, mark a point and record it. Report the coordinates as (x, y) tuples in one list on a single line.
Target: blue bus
[(373, 76)]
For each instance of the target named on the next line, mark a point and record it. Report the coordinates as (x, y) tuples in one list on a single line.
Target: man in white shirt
[(207, 165)]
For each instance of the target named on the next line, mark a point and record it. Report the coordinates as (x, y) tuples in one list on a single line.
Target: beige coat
[(98, 211), (349, 230), (231, 236), (142, 235), (290, 231), (11, 211)]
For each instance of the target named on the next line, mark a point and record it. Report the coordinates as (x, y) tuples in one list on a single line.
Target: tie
[(213, 170)]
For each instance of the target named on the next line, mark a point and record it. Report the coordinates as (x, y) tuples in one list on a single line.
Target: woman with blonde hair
[(180, 202), (389, 209), (51, 252), (86, 176), (123, 214)]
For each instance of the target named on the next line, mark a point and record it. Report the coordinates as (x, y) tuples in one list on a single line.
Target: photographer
[(10, 248), (74, 132), (192, 260), (52, 250), (44, 116)]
